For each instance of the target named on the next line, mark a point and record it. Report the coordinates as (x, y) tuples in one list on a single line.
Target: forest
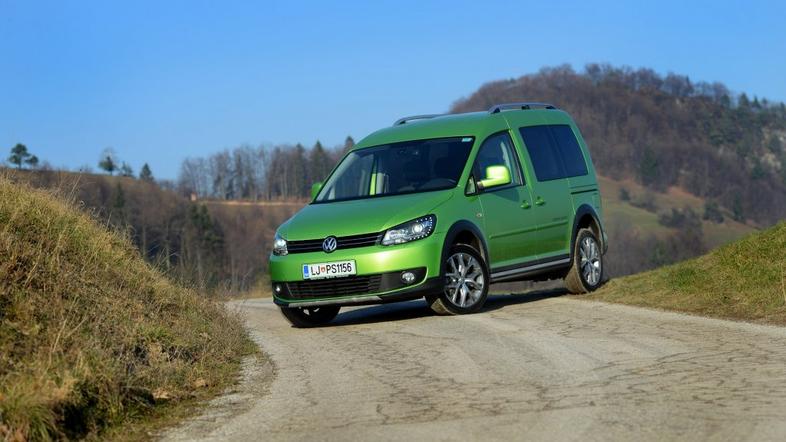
[(662, 135), (259, 173)]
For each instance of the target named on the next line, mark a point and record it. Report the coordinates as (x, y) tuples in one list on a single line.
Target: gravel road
[(534, 366)]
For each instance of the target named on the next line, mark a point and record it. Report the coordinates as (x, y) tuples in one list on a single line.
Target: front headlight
[(279, 246), (410, 231)]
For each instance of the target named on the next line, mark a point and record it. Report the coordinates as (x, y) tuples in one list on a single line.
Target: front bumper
[(381, 264), (428, 287)]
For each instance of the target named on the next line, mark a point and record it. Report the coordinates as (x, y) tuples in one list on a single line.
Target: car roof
[(459, 125)]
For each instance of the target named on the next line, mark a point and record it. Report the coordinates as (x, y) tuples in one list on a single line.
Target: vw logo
[(329, 244)]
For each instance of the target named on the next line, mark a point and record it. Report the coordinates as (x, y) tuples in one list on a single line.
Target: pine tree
[(319, 164), (19, 155), (119, 205), (108, 161), (299, 175), (743, 102), (757, 171), (648, 167), (349, 143), (712, 212), (207, 242), (146, 174), (120, 198)]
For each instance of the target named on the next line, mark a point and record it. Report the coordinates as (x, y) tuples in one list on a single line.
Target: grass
[(616, 209), (744, 280), (91, 337)]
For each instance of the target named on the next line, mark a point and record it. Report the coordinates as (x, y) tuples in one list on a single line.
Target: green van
[(440, 207)]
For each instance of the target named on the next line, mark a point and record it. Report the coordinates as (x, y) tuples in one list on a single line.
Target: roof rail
[(519, 106), (401, 121)]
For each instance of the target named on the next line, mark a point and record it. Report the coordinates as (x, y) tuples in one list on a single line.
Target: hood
[(356, 217)]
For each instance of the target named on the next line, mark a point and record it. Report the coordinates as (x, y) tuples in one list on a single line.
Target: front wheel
[(303, 317), (586, 271), (466, 283)]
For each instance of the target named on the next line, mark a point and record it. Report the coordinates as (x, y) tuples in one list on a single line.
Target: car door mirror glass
[(495, 176)]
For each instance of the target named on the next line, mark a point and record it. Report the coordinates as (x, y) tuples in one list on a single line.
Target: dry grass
[(90, 335), (743, 280)]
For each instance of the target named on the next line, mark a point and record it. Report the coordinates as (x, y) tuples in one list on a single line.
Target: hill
[(664, 132), (743, 280), (91, 335), (648, 229), (216, 246)]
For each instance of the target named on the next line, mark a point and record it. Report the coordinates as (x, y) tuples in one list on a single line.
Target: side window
[(569, 149), (544, 156), (497, 150)]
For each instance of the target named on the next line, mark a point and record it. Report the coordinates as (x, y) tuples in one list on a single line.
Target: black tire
[(305, 317), (587, 269), (476, 289)]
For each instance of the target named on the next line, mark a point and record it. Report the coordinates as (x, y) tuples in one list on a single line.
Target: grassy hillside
[(219, 246), (643, 235), (742, 280), (90, 335), (618, 211)]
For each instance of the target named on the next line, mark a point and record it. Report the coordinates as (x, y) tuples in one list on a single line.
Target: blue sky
[(160, 81)]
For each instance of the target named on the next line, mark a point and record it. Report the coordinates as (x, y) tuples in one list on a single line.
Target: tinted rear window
[(541, 150), (572, 157)]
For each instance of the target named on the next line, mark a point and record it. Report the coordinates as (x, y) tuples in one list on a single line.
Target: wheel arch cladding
[(463, 232), (586, 217)]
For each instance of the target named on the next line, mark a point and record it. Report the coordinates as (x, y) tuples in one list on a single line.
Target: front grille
[(342, 242), (353, 285)]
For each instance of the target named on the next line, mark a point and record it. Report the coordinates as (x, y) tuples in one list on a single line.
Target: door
[(552, 203), (508, 218)]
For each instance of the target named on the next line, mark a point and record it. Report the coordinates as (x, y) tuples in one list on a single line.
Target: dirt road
[(535, 367)]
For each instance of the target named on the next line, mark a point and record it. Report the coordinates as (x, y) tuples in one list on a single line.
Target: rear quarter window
[(542, 153), (570, 151)]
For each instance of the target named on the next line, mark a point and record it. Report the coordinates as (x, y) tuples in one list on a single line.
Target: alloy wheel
[(464, 280), (590, 264)]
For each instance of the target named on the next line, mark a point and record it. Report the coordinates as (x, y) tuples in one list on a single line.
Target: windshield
[(398, 168)]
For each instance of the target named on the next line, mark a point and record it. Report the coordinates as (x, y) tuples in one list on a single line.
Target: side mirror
[(315, 188), (495, 176)]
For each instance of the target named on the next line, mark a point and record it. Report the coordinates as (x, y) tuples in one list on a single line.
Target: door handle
[(539, 201), (525, 204)]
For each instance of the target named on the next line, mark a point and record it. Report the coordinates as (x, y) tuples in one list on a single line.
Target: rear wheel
[(303, 317), (466, 283), (586, 271)]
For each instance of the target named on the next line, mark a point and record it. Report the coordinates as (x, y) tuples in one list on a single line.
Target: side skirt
[(530, 269)]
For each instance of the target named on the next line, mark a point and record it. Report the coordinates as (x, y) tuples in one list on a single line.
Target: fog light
[(408, 277), (278, 288)]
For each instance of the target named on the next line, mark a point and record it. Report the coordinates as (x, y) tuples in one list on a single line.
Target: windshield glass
[(398, 168)]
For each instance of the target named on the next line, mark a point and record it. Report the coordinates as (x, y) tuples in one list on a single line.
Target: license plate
[(335, 269)]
